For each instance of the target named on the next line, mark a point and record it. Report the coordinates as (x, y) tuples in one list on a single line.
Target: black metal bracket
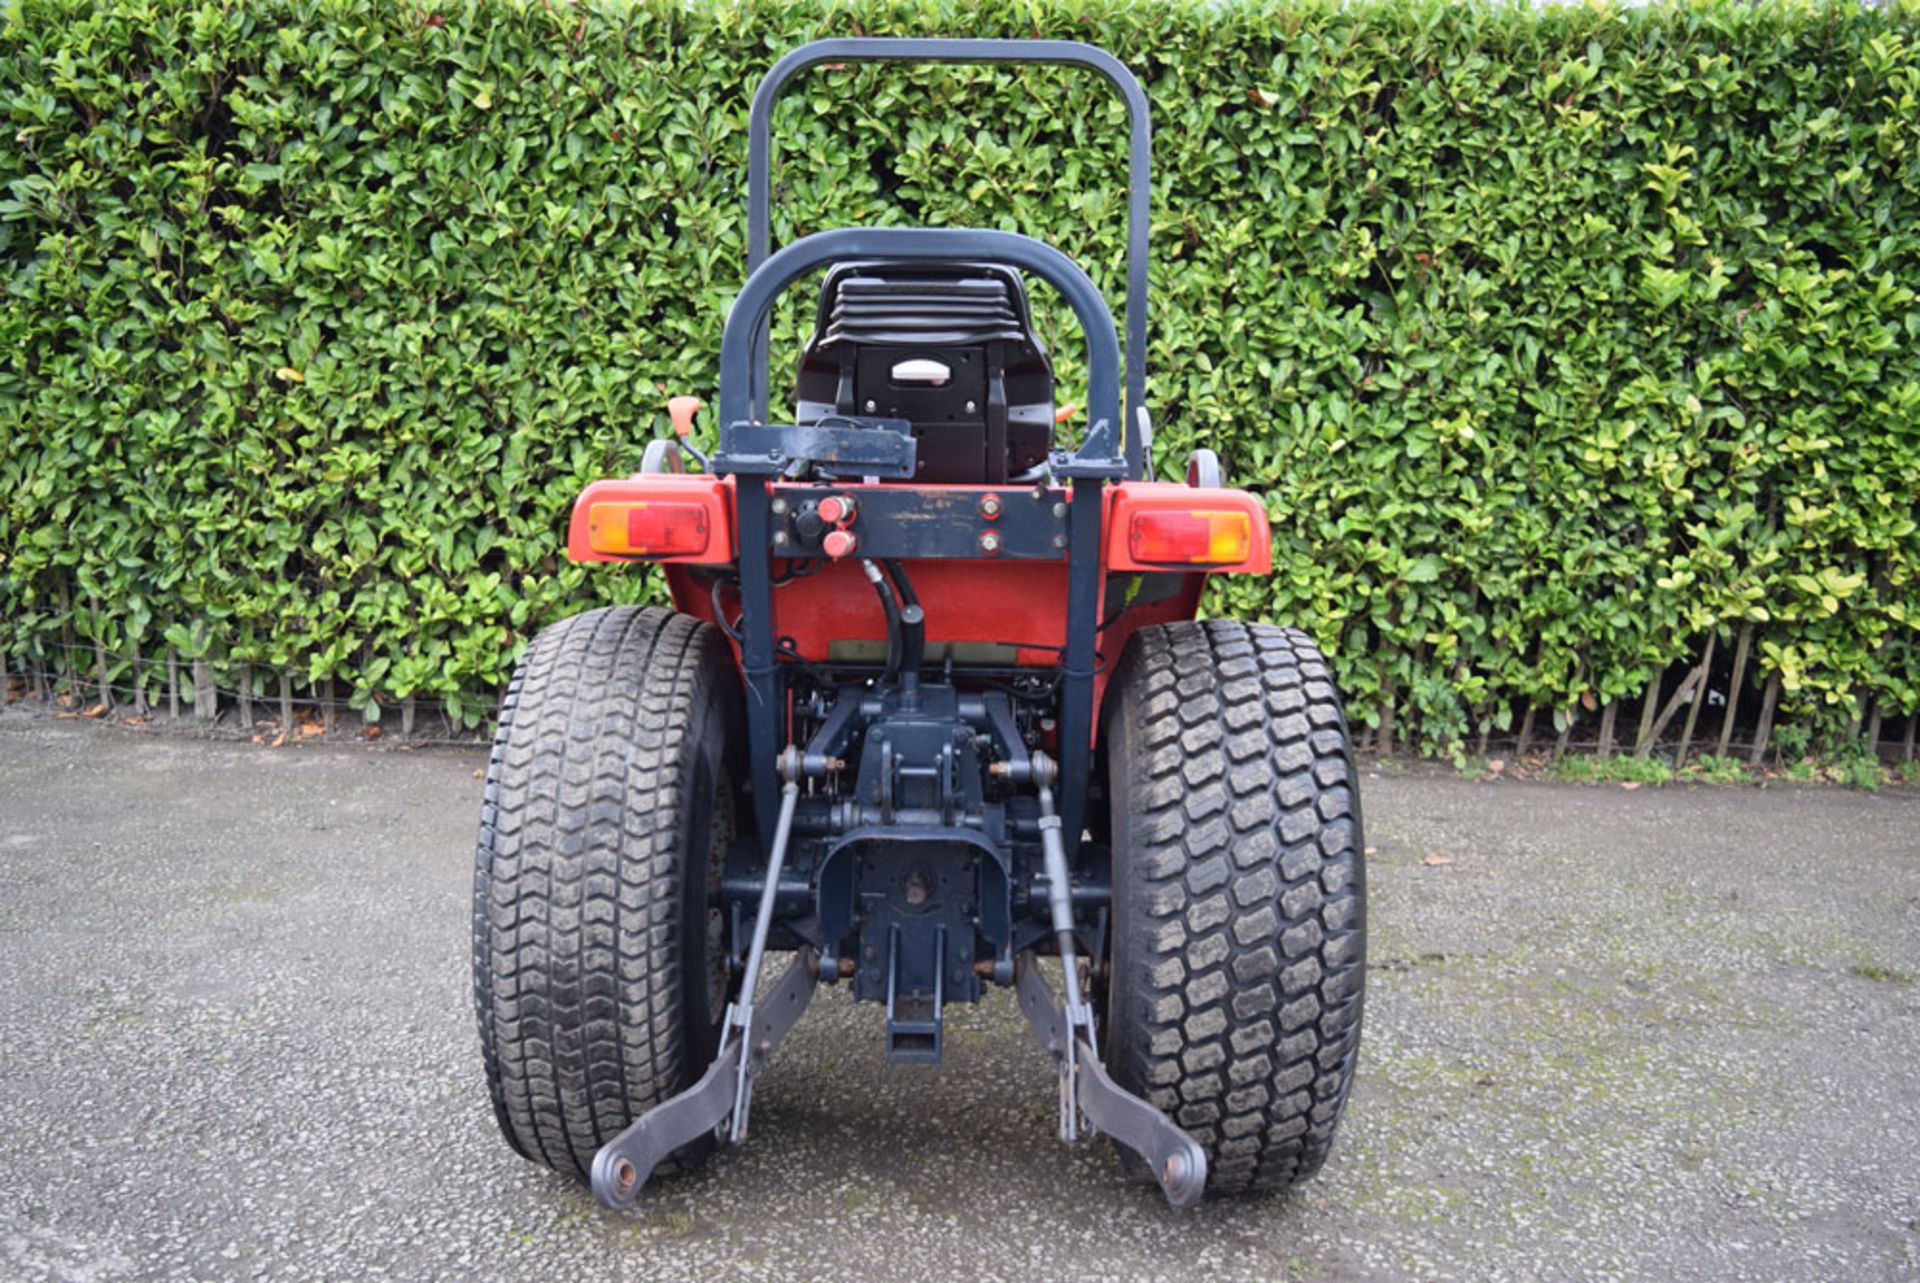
[(1176, 1160), (868, 447), (1011, 523), (1099, 457), (914, 1023), (623, 1164)]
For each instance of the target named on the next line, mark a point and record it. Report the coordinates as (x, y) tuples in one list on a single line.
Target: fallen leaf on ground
[(1630, 784), (1373, 850), (279, 740), (98, 710), (373, 732), (478, 773), (1496, 765), (313, 728), (1437, 860)]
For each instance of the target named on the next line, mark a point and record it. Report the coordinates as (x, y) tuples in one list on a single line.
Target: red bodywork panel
[(1022, 603)]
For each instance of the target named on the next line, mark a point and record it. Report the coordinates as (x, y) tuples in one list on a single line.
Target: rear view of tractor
[(931, 704)]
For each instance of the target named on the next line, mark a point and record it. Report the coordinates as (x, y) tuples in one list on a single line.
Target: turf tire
[(1239, 899), (599, 970)]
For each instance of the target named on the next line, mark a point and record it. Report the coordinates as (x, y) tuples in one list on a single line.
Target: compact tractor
[(931, 704)]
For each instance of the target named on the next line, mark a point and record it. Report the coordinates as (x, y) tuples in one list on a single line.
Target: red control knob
[(839, 543), (836, 510)]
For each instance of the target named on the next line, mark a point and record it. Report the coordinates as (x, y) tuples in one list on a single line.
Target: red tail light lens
[(648, 529), (1197, 538)]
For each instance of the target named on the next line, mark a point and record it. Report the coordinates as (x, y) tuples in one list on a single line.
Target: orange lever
[(681, 410), (1065, 412)]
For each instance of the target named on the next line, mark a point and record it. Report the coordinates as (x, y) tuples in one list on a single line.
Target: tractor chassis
[(949, 843), (865, 736)]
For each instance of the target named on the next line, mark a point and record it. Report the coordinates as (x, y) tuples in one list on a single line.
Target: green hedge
[(1557, 340)]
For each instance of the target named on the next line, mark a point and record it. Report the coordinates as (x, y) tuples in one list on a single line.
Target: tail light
[(652, 529), (1169, 537)]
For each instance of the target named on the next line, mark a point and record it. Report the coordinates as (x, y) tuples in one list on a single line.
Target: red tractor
[(931, 704)]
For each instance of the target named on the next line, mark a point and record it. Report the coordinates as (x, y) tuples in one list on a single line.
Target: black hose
[(720, 612), (896, 641), (899, 572), (913, 632)]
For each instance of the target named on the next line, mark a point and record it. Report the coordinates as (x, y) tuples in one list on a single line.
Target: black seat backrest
[(950, 349)]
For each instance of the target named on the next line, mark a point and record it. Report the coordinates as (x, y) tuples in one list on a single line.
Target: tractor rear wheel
[(600, 970), (1239, 896)]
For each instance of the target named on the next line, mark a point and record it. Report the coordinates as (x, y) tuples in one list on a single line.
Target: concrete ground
[(1666, 1033)]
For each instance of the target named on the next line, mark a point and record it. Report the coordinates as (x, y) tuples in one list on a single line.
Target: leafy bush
[(1558, 340), (1715, 769), (1631, 770), (1860, 771)]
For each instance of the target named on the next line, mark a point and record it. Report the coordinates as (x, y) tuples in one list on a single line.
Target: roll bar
[(882, 49), (742, 357)]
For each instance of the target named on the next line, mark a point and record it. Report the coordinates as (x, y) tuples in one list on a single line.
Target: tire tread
[(580, 875), (1240, 927)]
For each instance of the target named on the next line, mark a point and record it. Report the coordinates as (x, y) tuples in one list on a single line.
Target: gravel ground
[(1669, 1033)]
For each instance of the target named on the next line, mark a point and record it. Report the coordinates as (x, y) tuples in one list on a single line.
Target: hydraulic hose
[(913, 632), (896, 641), (899, 572)]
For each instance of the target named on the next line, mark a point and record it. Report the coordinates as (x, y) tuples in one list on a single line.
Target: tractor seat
[(949, 348)]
